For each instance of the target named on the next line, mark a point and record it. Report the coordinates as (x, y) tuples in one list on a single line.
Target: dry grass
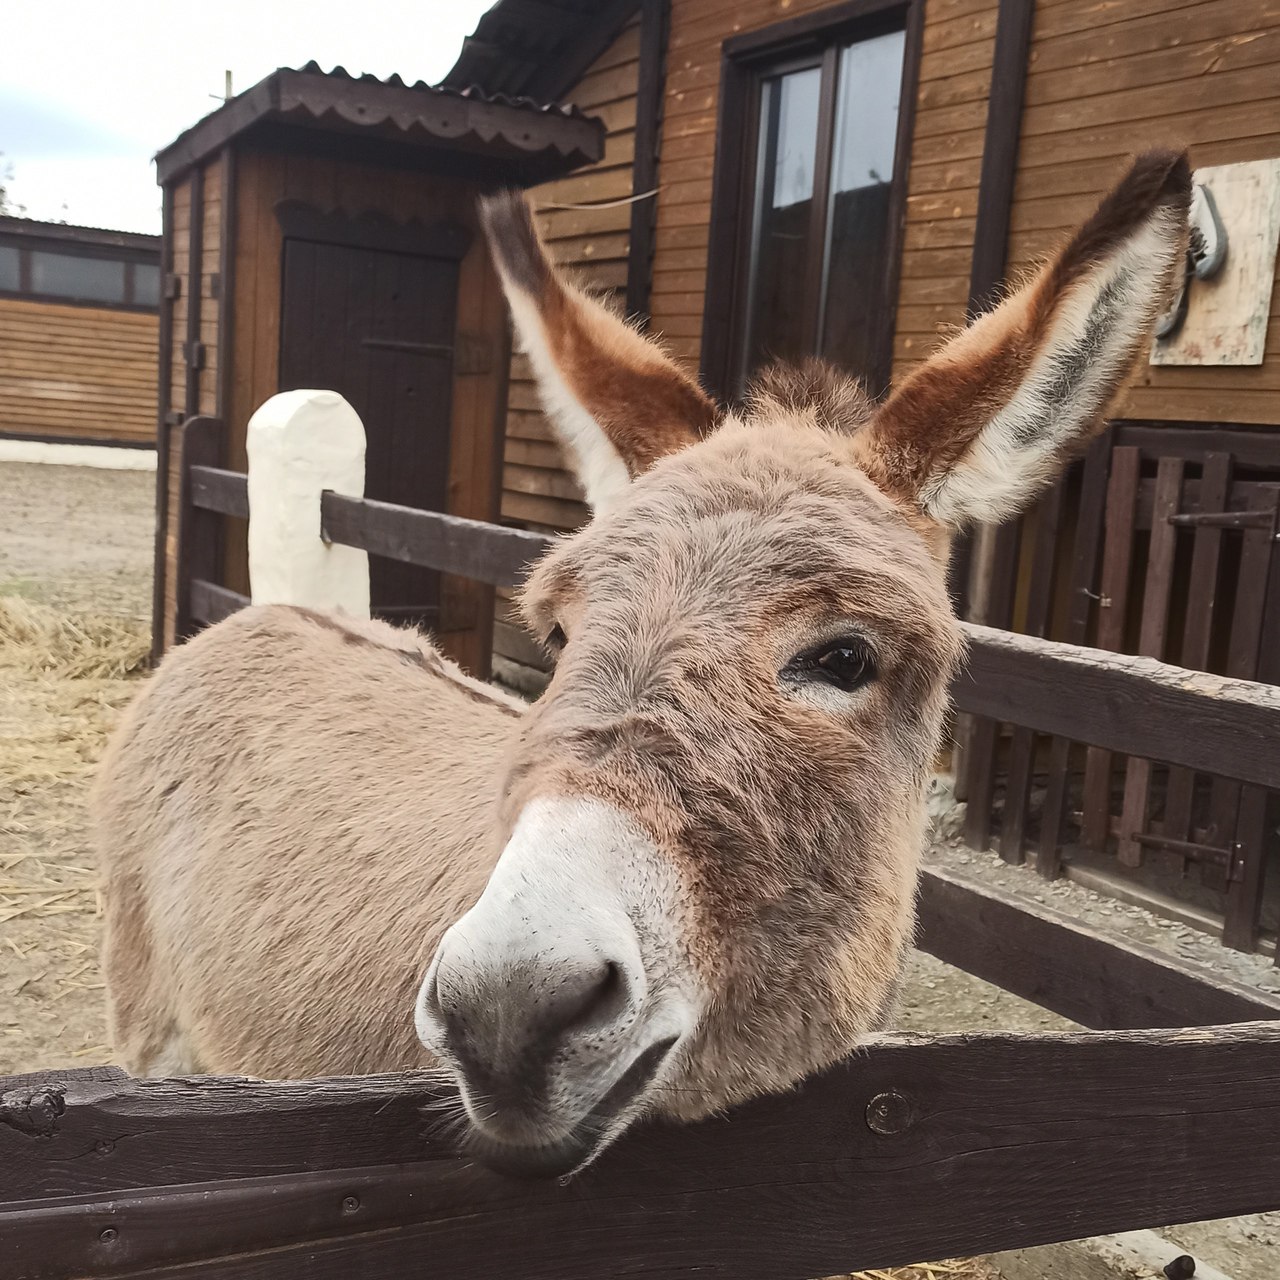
[(63, 680)]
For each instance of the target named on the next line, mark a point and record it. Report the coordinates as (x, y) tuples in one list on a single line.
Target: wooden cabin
[(320, 230), (794, 176), (78, 309)]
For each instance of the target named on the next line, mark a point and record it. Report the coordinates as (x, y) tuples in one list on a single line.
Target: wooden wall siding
[(955, 75), (537, 491), (1106, 80), (77, 373), (183, 401)]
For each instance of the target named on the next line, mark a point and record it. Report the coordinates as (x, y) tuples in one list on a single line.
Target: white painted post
[(301, 443)]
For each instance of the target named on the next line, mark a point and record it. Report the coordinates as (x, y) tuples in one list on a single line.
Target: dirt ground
[(80, 542)]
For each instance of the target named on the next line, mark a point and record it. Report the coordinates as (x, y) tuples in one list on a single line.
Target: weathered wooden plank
[(1123, 703), (1239, 814), (1084, 558), (1151, 642), (1094, 978), (210, 602), (1022, 745), (200, 444), (1117, 557), (1202, 592), (991, 1142), (215, 489), (469, 548)]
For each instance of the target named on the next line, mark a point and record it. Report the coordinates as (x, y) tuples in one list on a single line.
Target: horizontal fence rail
[(914, 1148), (1091, 977), (1134, 705)]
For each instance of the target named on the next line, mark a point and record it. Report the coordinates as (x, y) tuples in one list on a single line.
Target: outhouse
[(320, 230)]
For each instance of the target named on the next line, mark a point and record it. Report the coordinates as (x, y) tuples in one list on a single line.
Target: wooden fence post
[(300, 444)]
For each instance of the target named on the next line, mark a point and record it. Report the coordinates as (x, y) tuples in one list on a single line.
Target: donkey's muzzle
[(554, 1017)]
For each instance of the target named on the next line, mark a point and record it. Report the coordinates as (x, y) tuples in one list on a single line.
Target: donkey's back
[(280, 859)]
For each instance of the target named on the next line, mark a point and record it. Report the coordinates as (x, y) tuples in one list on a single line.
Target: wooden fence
[(914, 1148), (1165, 543)]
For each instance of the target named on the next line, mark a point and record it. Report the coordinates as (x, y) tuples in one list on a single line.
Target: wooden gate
[(1163, 543)]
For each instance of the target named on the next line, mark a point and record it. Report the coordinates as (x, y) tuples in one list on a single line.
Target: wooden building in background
[(78, 310), (783, 177), (321, 231)]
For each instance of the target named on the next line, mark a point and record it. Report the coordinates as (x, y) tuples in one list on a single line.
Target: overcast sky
[(90, 91)]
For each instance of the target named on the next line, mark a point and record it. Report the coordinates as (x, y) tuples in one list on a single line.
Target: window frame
[(132, 258), (746, 60)]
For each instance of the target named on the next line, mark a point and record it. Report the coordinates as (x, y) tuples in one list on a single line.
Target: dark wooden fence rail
[(912, 1149)]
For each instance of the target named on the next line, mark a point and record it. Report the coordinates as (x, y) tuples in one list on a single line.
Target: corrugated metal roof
[(519, 139), (533, 46)]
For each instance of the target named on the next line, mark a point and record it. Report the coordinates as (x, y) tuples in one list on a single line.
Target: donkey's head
[(713, 817)]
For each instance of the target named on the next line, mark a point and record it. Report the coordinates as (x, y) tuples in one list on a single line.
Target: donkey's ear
[(980, 428), (616, 400)]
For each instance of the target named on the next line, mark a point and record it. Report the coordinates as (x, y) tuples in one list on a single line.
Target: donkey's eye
[(847, 664), (556, 638)]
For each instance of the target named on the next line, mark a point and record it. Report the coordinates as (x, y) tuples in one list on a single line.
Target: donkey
[(686, 875)]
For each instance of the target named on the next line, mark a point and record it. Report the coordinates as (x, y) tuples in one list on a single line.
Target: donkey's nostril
[(586, 998)]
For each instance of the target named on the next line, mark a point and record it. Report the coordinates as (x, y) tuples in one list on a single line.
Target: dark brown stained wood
[(1117, 556), (1249, 448), (1132, 705), (1151, 643), (226, 268), (1095, 978), (984, 743), (1082, 586), (469, 548), (654, 15), (209, 603), (200, 444), (1202, 590), (1000, 152), (215, 489), (1022, 745), (1239, 813), (160, 564), (913, 1148), (192, 351)]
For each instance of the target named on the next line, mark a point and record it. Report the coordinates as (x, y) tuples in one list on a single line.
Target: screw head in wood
[(108, 1235), (889, 1113), (104, 1146), (350, 1204)]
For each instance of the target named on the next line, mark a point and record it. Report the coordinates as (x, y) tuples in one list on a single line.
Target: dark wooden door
[(377, 327)]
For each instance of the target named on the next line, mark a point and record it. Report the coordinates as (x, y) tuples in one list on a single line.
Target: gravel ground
[(81, 541)]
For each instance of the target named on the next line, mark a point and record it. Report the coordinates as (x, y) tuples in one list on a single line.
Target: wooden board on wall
[(77, 373), (1153, 73)]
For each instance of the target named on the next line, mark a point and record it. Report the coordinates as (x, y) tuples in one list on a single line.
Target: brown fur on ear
[(836, 401), (1044, 365), (619, 403)]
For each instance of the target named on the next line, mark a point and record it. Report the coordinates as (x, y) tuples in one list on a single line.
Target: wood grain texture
[(1128, 704), (73, 372), (1095, 978), (912, 1148), (1106, 81)]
